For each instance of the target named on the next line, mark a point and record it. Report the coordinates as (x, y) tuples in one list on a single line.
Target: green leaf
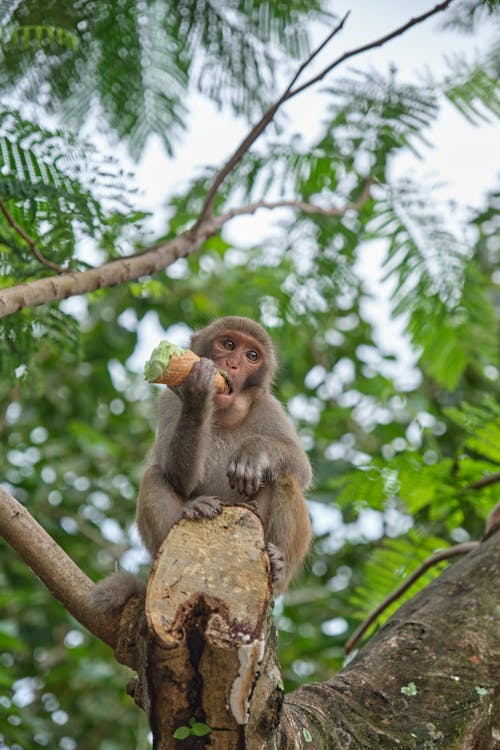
[(410, 689), (182, 733), (200, 730)]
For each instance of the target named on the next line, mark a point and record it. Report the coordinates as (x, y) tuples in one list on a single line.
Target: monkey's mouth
[(229, 386)]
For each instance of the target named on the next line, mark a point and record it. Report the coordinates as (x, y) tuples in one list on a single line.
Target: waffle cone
[(179, 368)]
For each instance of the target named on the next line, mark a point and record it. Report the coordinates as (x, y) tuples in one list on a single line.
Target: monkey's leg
[(283, 512), (157, 507)]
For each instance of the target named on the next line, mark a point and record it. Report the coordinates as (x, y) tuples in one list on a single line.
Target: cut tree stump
[(209, 623)]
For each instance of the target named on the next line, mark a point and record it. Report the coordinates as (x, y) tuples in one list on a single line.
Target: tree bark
[(428, 679), (206, 658), (60, 575)]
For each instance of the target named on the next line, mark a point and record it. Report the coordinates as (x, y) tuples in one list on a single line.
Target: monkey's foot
[(205, 506), (277, 563)]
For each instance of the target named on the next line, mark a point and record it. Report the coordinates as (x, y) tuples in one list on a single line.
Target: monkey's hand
[(198, 386), (204, 506), (277, 564), (249, 469)]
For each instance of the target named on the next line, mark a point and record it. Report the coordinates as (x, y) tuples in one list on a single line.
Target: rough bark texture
[(428, 680), (205, 649), (203, 646)]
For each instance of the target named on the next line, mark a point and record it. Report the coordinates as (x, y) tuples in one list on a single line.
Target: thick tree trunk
[(428, 679)]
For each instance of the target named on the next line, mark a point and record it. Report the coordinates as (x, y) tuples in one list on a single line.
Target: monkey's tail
[(112, 592)]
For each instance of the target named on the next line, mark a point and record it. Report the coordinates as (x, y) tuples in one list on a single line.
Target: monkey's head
[(241, 348)]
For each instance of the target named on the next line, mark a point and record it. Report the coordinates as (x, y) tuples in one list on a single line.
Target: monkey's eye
[(228, 344), (252, 355)]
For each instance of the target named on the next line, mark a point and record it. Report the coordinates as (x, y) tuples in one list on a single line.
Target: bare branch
[(65, 581), (369, 45), (484, 482), (315, 53), (110, 274), (306, 208), (149, 261), (29, 240), (159, 257), (258, 128)]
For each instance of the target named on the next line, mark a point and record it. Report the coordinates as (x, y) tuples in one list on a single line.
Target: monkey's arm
[(182, 444), (261, 459), (269, 450)]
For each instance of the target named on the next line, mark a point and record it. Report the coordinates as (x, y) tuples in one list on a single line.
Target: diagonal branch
[(147, 262), (370, 45), (63, 578), (259, 128), (29, 240)]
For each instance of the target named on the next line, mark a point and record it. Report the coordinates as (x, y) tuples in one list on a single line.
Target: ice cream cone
[(170, 365)]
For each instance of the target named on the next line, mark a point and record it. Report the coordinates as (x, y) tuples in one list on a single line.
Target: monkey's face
[(242, 358)]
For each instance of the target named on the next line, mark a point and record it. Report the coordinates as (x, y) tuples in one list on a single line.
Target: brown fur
[(243, 448)]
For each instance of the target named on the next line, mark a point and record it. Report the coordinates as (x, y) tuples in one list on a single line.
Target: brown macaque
[(214, 448)]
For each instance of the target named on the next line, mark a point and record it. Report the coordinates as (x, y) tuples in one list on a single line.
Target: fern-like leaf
[(473, 88), (43, 36), (389, 565)]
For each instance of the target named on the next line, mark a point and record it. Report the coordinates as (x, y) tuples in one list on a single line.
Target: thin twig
[(315, 53), (29, 240), (445, 554), (370, 45), (290, 92), (484, 482), (306, 208)]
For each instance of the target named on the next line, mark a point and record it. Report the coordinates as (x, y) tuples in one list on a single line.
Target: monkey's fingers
[(277, 563), (201, 507), (243, 476)]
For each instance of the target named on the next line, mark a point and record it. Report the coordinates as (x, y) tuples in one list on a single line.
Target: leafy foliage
[(473, 88), (402, 448), (40, 36), (136, 61)]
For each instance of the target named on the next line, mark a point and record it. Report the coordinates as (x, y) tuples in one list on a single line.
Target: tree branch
[(445, 554), (484, 482), (259, 128), (428, 678), (302, 206), (63, 578), (29, 240), (147, 262), (159, 257), (370, 45)]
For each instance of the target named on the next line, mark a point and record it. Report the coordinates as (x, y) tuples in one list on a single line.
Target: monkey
[(213, 448)]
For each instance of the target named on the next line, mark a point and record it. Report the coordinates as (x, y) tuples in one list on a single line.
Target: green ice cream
[(159, 360)]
